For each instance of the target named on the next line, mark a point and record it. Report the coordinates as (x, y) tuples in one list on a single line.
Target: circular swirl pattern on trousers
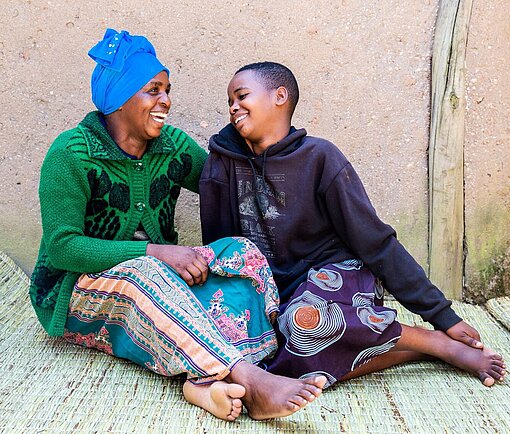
[(325, 279), (309, 340), (307, 317)]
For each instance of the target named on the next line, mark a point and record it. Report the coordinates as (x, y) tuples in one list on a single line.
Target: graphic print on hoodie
[(261, 203)]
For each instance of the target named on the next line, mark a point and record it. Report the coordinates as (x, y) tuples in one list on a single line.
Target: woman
[(109, 275)]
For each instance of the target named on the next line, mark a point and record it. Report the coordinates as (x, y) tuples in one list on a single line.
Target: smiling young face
[(145, 112), (257, 112)]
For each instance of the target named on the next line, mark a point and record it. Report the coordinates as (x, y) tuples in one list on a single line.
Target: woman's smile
[(159, 116)]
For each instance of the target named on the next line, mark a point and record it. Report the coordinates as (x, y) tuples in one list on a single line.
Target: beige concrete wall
[(487, 151), (363, 68)]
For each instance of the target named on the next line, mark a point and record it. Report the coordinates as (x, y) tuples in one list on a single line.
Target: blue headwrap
[(125, 63)]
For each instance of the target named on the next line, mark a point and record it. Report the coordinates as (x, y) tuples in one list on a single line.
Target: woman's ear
[(281, 96)]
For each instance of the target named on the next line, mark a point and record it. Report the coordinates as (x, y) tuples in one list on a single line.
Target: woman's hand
[(466, 334), (191, 266)]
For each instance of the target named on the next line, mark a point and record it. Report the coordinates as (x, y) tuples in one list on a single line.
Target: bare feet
[(221, 399), (485, 363), (269, 396)]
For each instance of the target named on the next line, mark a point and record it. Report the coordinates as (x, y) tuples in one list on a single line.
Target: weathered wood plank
[(446, 147)]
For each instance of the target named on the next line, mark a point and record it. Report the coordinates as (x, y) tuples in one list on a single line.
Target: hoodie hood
[(230, 143)]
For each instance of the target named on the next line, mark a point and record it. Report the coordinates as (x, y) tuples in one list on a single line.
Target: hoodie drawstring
[(264, 158), (263, 185)]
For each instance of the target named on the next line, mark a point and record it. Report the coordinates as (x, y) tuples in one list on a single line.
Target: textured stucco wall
[(363, 68), (487, 151)]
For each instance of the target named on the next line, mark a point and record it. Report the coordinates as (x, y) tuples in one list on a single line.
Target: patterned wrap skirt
[(142, 310), (334, 323)]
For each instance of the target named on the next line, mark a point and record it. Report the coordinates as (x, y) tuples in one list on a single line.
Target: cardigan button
[(140, 206), (138, 166)]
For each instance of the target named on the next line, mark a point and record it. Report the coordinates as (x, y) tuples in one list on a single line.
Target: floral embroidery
[(233, 262), (234, 328), (216, 307), (248, 263)]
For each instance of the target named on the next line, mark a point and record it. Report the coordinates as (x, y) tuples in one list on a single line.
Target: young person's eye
[(243, 96)]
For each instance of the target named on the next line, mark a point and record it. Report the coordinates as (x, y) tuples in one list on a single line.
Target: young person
[(302, 203)]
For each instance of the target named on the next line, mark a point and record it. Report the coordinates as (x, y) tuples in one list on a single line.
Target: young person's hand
[(190, 265), (466, 334)]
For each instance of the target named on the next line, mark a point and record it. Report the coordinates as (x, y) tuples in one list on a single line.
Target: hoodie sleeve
[(218, 199), (356, 222)]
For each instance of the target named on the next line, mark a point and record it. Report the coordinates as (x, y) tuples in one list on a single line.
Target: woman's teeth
[(159, 116)]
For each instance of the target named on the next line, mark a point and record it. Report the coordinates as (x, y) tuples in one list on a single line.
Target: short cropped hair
[(273, 76)]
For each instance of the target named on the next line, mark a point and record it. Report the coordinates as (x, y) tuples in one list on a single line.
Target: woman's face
[(145, 112)]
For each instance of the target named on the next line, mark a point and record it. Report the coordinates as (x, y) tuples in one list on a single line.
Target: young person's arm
[(375, 242)]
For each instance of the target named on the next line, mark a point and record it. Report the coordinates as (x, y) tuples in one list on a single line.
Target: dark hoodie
[(303, 205)]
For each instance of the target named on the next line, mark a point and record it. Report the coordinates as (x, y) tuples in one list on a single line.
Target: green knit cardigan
[(94, 197)]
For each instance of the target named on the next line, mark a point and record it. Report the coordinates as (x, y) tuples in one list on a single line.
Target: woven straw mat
[(500, 309), (50, 386)]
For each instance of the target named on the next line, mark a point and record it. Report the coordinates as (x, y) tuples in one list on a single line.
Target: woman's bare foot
[(269, 396), (485, 363), (221, 399)]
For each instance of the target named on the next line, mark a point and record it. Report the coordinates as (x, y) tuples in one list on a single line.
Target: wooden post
[(446, 147)]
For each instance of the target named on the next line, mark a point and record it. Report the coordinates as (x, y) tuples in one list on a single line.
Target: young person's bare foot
[(221, 399), (269, 396), (485, 363)]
